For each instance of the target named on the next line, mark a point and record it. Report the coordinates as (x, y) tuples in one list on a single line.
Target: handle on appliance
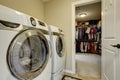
[(116, 46)]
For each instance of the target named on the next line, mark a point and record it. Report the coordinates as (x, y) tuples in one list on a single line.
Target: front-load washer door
[(28, 54), (60, 46)]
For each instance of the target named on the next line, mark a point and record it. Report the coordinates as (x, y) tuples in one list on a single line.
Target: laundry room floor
[(88, 65), (82, 77)]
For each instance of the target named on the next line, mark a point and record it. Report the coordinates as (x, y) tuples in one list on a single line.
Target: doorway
[(87, 49)]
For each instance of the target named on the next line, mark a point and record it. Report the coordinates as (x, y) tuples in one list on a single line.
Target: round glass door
[(28, 54), (59, 46)]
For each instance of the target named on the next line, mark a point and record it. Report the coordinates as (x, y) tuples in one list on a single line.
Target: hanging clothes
[(91, 33), (83, 32), (88, 30), (82, 46), (95, 47), (88, 38), (80, 33), (78, 47), (76, 35), (86, 46)]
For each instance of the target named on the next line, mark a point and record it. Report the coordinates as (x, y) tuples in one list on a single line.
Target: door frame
[(75, 4)]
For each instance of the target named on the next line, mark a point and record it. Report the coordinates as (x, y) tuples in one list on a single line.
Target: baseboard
[(69, 71)]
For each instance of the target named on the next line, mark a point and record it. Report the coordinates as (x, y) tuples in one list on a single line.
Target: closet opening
[(88, 40)]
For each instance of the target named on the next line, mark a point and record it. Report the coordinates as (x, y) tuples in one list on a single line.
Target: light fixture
[(83, 14)]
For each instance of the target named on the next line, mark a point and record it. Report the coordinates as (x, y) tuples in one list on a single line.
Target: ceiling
[(93, 12)]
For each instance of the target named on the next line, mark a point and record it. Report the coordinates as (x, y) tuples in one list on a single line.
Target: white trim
[(68, 71), (74, 4), (73, 38), (85, 2)]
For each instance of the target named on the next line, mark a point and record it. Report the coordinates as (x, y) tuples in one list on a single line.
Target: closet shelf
[(86, 40)]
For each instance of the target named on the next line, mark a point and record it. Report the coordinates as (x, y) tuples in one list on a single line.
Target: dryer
[(24, 50), (58, 55)]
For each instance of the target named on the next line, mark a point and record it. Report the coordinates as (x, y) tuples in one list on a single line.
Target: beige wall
[(34, 8), (75, 0), (58, 13)]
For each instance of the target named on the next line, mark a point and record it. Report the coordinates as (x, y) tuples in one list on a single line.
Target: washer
[(45, 29), (24, 50), (41, 26), (58, 55), (11, 15)]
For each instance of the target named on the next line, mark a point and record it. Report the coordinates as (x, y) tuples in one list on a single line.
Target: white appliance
[(11, 15), (58, 55), (37, 23), (24, 50)]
